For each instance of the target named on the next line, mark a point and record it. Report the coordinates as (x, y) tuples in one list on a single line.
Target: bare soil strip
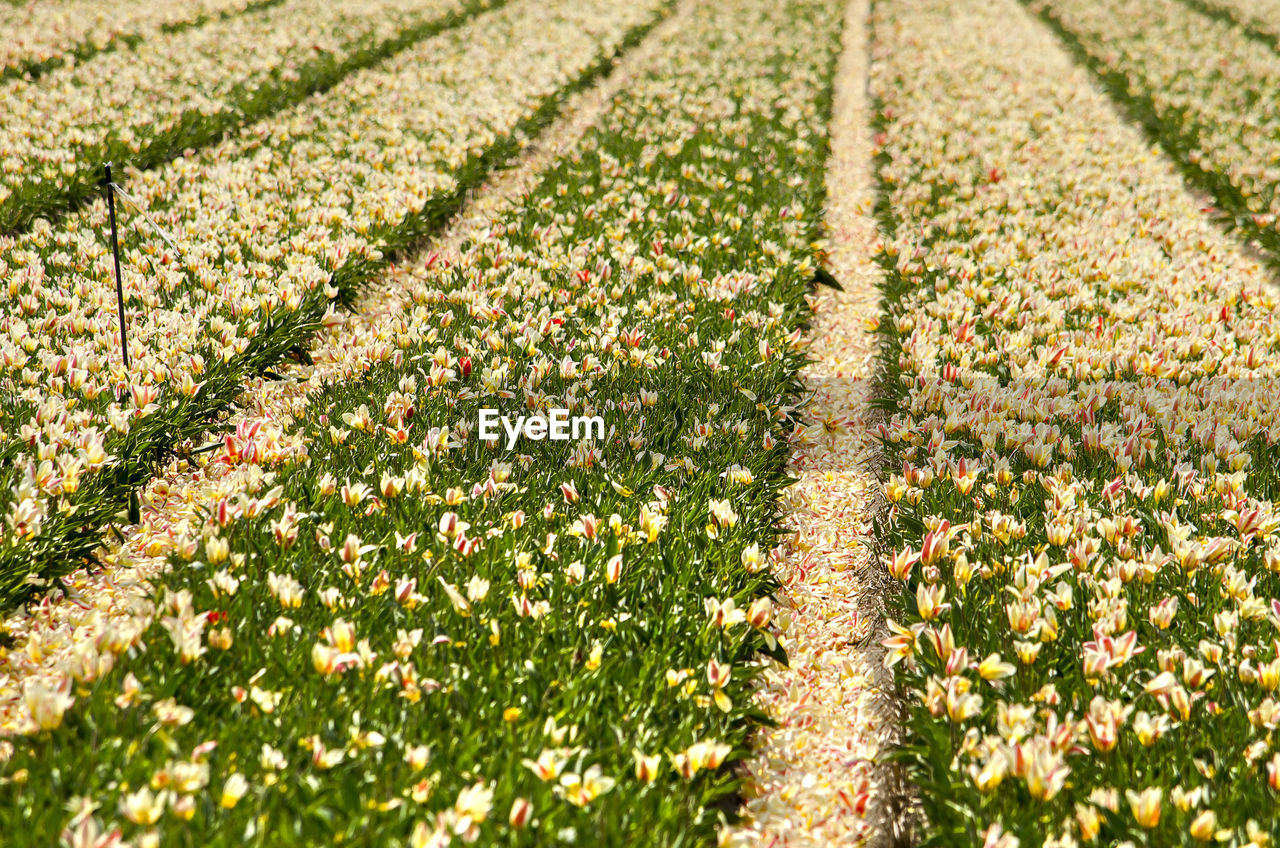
[(813, 780)]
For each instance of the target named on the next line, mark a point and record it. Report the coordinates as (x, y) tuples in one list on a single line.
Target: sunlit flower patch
[(405, 635), (40, 35), (1261, 17), (270, 228), (173, 92), (174, 505), (1081, 457)]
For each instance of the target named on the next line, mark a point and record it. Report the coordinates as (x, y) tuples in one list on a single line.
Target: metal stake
[(115, 252)]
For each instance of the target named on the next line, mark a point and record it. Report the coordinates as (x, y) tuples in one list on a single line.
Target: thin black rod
[(115, 252)]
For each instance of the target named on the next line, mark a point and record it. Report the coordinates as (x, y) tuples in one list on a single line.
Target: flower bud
[(521, 812)]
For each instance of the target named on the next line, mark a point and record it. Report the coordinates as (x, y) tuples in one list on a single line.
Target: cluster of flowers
[(1260, 17), (1203, 85), (269, 227), (1081, 486), (146, 105), (40, 34), (44, 640), (398, 633)]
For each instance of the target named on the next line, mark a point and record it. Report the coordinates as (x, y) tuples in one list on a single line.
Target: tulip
[(233, 790), (47, 705), (900, 565), (646, 766), (142, 807), (521, 813), (760, 613), (993, 668), (1204, 826), (1145, 806)]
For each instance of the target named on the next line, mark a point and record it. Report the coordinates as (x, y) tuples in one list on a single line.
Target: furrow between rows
[(813, 778)]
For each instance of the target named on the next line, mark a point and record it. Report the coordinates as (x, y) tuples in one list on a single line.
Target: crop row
[(39, 36), (404, 634), (270, 228), (1260, 18), (1201, 85), (145, 106), (1082, 379)]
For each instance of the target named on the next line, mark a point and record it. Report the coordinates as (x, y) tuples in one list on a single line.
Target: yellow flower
[(930, 600), (473, 805), (1089, 821), (1046, 772), (1149, 729), (460, 604), (1145, 805), (221, 638), (582, 790), (233, 790), (421, 791), (171, 713), (724, 614), (548, 764), (1203, 827), (417, 757), (341, 635), (47, 705), (992, 774), (185, 808), (646, 766), (993, 668), (706, 754), (142, 807)]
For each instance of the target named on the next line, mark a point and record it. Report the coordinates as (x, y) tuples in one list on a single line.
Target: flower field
[(144, 106), (1258, 18), (82, 430), (393, 631), (1204, 87), (41, 36), (1082, 375), (920, 364)]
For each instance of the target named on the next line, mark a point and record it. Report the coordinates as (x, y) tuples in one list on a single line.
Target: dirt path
[(812, 781)]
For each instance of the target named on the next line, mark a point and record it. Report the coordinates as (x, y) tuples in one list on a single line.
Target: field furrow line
[(812, 778), (412, 137)]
